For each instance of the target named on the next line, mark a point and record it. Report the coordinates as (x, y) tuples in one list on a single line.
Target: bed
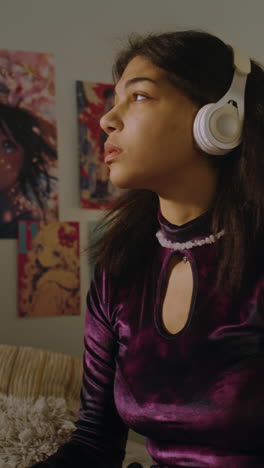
[(39, 400)]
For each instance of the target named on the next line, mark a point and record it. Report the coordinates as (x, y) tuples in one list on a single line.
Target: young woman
[(174, 338), (27, 169)]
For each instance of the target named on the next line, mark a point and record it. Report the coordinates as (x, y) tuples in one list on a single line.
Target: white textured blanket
[(31, 430)]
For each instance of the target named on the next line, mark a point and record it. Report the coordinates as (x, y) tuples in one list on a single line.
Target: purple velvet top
[(198, 395)]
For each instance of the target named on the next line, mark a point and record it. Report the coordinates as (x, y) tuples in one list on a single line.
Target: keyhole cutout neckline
[(197, 228), (159, 314), (176, 295)]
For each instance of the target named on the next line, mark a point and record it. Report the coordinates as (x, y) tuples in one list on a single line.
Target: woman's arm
[(100, 436)]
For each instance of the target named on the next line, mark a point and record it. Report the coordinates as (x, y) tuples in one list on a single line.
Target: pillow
[(34, 372)]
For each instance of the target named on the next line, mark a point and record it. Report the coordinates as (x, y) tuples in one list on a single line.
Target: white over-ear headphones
[(217, 127)]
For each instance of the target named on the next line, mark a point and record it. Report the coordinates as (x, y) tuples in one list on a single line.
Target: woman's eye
[(142, 96), (8, 146)]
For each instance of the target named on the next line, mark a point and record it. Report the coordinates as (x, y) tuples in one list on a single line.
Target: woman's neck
[(180, 214), (189, 198)]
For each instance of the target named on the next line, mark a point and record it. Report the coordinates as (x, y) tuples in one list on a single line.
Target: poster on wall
[(48, 269), (93, 101), (28, 140)]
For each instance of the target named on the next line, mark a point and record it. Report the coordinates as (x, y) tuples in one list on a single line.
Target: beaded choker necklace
[(187, 245)]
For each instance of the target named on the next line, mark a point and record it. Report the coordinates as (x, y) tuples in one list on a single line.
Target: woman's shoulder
[(112, 290)]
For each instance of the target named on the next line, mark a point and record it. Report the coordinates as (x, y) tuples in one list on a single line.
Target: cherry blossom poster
[(28, 140), (93, 101), (48, 269)]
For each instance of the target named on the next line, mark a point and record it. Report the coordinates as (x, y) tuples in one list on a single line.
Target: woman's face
[(11, 159), (152, 123)]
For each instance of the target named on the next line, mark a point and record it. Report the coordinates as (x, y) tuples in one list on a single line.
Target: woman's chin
[(122, 181)]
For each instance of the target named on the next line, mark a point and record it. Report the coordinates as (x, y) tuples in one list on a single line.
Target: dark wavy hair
[(27, 130), (200, 65)]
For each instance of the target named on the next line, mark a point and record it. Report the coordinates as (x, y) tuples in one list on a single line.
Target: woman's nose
[(110, 122)]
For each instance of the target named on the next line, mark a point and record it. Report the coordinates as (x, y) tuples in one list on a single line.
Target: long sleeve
[(100, 436)]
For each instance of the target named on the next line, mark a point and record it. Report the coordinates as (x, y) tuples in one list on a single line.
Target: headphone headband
[(241, 61)]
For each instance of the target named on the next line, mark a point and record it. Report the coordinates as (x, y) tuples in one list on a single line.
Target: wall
[(84, 36)]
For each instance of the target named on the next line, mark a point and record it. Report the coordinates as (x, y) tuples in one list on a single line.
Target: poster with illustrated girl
[(94, 100), (28, 140), (48, 269)]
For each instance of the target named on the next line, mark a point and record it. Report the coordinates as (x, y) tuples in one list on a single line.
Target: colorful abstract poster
[(28, 140), (93, 101), (48, 269)]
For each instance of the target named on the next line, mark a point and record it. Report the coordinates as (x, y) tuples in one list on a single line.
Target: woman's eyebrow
[(137, 79)]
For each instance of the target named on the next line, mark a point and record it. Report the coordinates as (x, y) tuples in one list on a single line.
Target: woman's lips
[(111, 156), (111, 152)]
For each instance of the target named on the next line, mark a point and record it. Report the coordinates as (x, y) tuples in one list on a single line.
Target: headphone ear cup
[(225, 125), (217, 130), (199, 130)]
